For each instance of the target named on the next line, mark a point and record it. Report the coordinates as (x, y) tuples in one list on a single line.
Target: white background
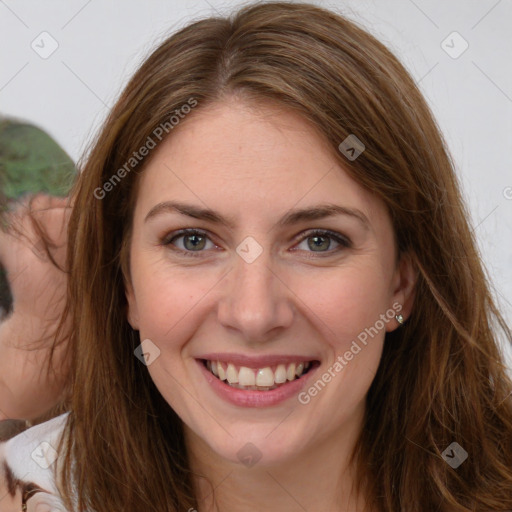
[(101, 43)]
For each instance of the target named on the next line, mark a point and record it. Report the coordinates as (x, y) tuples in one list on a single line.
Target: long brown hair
[(441, 378)]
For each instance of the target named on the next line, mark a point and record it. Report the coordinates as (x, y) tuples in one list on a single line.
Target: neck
[(318, 478)]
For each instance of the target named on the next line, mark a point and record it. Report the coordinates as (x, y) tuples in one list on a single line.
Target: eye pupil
[(315, 245), (197, 243)]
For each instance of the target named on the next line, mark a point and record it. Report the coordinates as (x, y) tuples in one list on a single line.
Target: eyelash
[(344, 242)]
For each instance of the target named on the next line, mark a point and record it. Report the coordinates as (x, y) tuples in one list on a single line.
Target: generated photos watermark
[(305, 397), (151, 143)]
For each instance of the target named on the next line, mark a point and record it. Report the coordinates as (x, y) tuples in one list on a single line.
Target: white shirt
[(28, 461)]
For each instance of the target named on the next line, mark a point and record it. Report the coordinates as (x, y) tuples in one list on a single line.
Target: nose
[(255, 300)]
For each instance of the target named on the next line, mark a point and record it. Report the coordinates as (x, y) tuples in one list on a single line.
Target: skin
[(38, 289), (254, 163)]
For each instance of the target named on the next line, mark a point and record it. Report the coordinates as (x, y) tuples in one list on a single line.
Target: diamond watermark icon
[(147, 352), (249, 249), (454, 455), (454, 45), (44, 45), (249, 455), (44, 455), (351, 147)]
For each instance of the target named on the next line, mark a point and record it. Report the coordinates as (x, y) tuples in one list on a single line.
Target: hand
[(38, 288)]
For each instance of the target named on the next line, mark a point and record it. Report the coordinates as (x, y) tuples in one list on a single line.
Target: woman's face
[(260, 291)]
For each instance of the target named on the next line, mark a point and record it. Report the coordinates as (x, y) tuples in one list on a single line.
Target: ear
[(133, 311), (403, 289)]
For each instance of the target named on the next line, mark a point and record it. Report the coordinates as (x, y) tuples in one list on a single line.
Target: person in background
[(34, 173)]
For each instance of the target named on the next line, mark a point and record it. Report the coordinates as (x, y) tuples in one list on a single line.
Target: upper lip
[(256, 361)]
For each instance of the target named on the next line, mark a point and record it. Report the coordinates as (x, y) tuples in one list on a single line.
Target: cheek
[(342, 301), (169, 302), (346, 307), (345, 302)]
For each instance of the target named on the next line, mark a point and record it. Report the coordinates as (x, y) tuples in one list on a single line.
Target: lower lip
[(250, 398)]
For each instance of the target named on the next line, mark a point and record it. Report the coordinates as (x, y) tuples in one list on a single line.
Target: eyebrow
[(317, 212)]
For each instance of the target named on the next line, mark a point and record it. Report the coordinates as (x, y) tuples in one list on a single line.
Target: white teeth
[(232, 374), (222, 372), (280, 376), (262, 379), (265, 377), (246, 377), (290, 372)]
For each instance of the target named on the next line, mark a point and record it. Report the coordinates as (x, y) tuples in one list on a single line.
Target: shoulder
[(27, 461)]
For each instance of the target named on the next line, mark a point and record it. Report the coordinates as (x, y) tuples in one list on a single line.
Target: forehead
[(253, 158)]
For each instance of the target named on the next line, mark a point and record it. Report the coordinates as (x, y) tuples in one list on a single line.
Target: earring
[(400, 319)]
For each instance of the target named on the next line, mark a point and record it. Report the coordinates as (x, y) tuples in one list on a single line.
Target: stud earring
[(400, 319)]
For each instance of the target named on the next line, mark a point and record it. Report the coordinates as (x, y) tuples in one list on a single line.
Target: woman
[(220, 363)]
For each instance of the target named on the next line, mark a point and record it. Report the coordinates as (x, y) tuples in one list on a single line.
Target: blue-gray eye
[(321, 241), (192, 240)]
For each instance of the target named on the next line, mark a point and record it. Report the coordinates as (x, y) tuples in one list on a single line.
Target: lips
[(254, 395)]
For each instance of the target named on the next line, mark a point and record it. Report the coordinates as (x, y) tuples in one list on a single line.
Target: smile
[(257, 379)]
